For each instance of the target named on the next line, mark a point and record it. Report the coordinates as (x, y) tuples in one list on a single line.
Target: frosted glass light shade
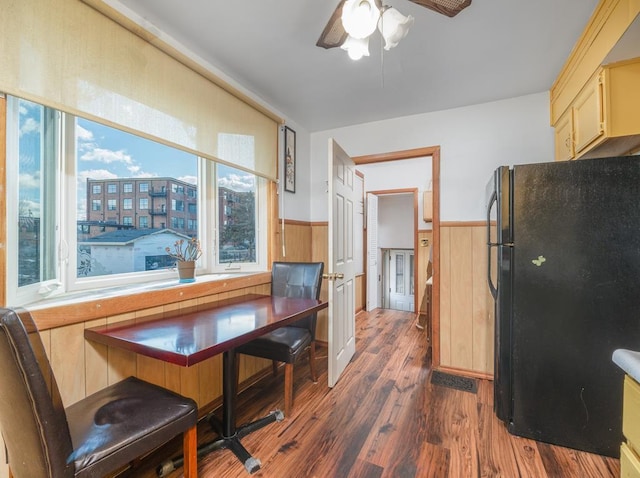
[(360, 17), (393, 26), (356, 47)]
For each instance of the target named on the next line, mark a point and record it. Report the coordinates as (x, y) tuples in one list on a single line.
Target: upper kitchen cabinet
[(603, 119), (564, 137), (594, 107)]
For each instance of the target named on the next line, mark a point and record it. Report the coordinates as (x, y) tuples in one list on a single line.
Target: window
[(177, 205), (59, 180), (32, 139), (237, 225)]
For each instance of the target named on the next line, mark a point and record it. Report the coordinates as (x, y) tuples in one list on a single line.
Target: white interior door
[(373, 275), (341, 274), (401, 286)]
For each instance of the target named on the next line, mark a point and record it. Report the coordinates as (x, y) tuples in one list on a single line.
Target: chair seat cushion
[(108, 427), (283, 344)]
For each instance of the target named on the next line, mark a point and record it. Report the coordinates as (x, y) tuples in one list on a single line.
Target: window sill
[(83, 306)]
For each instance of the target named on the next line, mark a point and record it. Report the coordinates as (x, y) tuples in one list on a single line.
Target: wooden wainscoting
[(422, 260), (466, 307), (82, 367)]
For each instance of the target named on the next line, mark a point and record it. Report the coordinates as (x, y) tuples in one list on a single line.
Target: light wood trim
[(293, 222), (465, 372), (395, 155), (56, 316), (416, 264), (435, 288), (462, 223), (319, 223), (3, 196), (273, 229), (382, 192)]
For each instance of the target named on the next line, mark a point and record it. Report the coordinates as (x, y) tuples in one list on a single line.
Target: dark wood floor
[(386, 419)]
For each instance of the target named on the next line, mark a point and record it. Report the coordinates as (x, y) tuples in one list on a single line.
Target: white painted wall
[(402, 174), (297, 205), (474, 140), (395, 221)]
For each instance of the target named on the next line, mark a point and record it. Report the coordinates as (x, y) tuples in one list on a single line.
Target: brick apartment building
[(139, 203)]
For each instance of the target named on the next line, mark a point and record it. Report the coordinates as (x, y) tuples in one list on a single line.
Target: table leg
[(228, 435)]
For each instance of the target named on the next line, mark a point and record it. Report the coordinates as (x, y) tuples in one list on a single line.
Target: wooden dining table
[(189, 338)]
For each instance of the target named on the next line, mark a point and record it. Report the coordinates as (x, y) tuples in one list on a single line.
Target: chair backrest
[(32, 417), (298, 279)]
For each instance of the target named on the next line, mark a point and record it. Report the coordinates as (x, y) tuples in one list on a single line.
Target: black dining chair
[(286, 344), (94, 437)]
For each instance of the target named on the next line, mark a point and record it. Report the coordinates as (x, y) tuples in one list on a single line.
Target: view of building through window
[(134, 198)]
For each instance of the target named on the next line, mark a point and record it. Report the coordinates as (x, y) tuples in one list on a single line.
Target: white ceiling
[(492, 50)]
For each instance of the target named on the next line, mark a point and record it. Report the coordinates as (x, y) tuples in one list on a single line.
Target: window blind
[(68, 55)]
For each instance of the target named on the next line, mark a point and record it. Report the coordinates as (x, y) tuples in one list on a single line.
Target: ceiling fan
[(335, 34)]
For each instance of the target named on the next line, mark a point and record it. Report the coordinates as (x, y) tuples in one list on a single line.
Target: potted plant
[(186, 254)]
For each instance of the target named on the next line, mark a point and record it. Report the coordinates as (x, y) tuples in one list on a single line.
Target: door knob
[(333, 276)]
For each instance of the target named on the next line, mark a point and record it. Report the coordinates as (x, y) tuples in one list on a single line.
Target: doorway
[(398, 267), (434, 153)]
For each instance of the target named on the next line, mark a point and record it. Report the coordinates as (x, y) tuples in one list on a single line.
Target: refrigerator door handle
[(492, 288)]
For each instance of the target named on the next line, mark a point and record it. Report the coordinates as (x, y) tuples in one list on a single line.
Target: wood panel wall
[(466, 307), (422, 259), (82, 367)]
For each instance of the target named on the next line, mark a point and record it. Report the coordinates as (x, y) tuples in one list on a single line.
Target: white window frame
[(66, 280)]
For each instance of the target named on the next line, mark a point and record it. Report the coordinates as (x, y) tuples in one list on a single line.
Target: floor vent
[(454, 381)]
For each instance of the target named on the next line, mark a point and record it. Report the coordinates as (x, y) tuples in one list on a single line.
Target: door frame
[(391, 192), (434, 152)]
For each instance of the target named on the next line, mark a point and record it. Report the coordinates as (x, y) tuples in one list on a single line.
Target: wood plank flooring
[(385, 419)]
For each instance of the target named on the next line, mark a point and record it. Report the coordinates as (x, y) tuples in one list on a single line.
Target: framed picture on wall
[(289, 160)]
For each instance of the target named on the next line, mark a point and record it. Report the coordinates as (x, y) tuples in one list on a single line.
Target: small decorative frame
[(289, 160)]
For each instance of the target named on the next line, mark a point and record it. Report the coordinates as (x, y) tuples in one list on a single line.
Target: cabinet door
[(587, 115), (564, 137)]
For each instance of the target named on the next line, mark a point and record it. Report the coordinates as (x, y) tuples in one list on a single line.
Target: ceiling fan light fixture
[(393, 26), (360, 17), (356, 47)]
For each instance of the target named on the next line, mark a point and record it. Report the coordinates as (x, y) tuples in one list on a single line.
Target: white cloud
[(237, 182), (189, 179), (94, 174), (146, 175), (29, 125), (107, 156), (29, 181), (83, 134)]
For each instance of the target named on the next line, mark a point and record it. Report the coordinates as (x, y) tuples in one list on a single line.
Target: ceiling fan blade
[(449, 8), (334, 33)]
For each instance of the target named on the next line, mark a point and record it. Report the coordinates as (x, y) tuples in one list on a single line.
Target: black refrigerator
[(564, 270)]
